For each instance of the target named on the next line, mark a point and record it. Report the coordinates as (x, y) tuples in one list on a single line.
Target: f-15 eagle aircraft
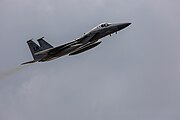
[(46, 52)]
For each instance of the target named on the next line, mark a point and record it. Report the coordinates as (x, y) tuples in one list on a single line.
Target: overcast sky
[(134, 75)]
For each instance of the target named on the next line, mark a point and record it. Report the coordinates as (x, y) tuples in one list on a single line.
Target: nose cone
[(123, 25)]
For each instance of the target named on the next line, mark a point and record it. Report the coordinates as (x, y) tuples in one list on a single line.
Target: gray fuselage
[(46, 52), (90, 37)]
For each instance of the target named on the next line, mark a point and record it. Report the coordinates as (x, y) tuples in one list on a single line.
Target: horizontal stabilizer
[(33, 61), (85, 48)]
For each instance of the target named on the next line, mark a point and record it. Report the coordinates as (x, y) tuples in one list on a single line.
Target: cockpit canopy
[(104, 25)]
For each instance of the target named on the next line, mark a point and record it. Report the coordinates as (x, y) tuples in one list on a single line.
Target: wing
[(78, 42), (84, 48), (90, 37)]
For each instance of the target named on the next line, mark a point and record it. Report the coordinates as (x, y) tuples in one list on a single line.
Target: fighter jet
[(46, 52)]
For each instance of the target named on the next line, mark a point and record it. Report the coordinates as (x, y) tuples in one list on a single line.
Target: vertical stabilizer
[(34, 48), (43, 44)]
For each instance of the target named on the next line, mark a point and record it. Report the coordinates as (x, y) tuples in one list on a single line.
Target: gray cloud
[(133, 75)]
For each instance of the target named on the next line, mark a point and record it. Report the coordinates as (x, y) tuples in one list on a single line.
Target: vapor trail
[(11, 71)]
